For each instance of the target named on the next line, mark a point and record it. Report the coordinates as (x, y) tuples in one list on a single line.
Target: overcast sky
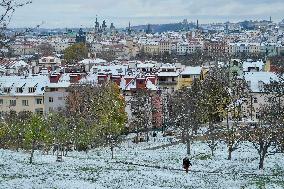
[(82, 13)]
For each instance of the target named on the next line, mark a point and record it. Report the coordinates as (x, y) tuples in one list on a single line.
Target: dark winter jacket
[(186, 162)]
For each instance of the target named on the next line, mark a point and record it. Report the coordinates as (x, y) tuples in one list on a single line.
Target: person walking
[(186, 164)]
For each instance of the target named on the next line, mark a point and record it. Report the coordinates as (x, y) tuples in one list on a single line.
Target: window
[(19, 90), (255, 100), (1, 102), (50, 109), (39, 111), (31, 89), (7, 90), (25, 102), (13, 102), (53, 89), (50, 99), (38, 101)]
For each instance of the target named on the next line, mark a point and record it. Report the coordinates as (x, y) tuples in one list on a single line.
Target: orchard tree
[(109, 108), (238, 93), (186, 112), (141, 108), (214, 100), (59, 133), (267, 132), (35, 134), (96, 114), (4, 130), (16, 128)]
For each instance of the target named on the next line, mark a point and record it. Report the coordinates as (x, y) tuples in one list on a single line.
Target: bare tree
[(267, 132), (8, 8), (46, 49), (186, 112), (238, 93)]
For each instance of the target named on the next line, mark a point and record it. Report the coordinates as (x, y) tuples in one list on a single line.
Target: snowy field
[(139, 166)]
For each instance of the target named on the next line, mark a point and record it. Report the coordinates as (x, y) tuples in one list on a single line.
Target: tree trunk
[(188, 147), (212, 152), (18, 145), (32, 152), (230, 150), (261, 162), (137, 137), (183, 137), (112, 151), (147, 135)]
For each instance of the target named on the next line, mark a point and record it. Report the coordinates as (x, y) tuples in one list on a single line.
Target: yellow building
[(188, 75), (22, 103), (20, 93)]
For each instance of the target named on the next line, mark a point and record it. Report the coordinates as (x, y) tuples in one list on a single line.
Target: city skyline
[(73, 13)]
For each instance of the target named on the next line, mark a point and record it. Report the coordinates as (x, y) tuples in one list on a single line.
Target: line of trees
[(212, 101), (95, 116)]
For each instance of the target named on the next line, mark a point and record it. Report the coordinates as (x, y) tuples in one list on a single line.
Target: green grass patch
[(264, 182), (278, 171), (12, 177), (202, 156)]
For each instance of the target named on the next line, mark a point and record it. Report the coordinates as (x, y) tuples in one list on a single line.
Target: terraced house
[(22, 93)]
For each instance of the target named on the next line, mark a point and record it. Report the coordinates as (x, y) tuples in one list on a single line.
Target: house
[(49, 62), (168, 78), (23, 93), (13, 67), (251, 66), (257, 97), (188, 75), (55, 96), (147, 67), (89, 63)]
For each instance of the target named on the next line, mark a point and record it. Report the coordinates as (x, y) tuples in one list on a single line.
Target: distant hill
[(165, 27)]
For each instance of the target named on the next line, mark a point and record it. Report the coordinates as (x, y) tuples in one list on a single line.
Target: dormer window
[(19, 90), (7, 90), (32, 89)]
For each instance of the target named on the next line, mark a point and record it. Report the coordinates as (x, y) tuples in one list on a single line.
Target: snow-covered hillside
[(142, 166)]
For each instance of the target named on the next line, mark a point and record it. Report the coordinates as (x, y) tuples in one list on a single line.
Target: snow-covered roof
[(168, 74), (93, 61), (59, 85), (39, 82), (146, 65), (151, 86), (112, 69), (258, 64), (257, 79), (191, 70)]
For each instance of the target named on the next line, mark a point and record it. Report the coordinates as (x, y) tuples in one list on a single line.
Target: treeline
[(197, 58), (95, 116)]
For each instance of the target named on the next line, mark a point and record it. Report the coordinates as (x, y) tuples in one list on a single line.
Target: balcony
[(167, 82)]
